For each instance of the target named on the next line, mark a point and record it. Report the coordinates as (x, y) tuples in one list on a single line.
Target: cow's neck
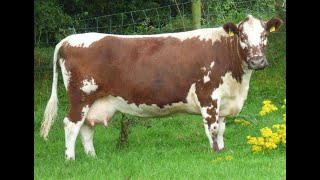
[(237, 57)]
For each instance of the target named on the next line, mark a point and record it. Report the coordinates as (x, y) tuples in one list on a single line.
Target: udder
[(100, 112)]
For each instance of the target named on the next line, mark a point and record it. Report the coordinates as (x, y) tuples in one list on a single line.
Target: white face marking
[(89, 86), (66, 75), (84, 40), (206, 78), (253, 29), (203, 68)]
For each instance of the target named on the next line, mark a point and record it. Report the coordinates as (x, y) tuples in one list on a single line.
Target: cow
[(204, 71)]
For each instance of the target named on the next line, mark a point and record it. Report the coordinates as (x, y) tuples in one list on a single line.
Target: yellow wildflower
[(266, 132), (267, 108), (276, 126), (256, 148), (242, 122), (266, 102)]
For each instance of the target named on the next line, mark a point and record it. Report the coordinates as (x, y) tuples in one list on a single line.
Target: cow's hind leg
[(72, 125), (86, 133)]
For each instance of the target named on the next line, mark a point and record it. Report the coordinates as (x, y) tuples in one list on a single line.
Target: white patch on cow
[(192, 100), (265, 42), (207, 34), (214, 127), (206, 78), (243, 44), (86, 133), (212, 64), (232, 94), (205, 114), (221, 130), (89, 86), (208, 133), (108, 105), (84, 40), (203, 68), (66, 75), (204, 34), (253, 29), (71, 132), (84, 111)]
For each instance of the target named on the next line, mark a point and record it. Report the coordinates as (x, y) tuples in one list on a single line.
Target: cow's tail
[(52, 105)]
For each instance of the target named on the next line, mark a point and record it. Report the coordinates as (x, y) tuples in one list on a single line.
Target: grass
[(174, 147)]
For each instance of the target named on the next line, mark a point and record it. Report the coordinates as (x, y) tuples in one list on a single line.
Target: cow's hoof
[(215, 147)]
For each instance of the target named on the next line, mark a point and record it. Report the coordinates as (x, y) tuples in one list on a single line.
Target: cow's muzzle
[(258, 63)]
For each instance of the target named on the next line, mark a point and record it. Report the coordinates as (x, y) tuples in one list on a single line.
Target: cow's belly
[(105, 107)]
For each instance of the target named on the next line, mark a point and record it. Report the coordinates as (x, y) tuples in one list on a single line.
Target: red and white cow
[(204, 71)]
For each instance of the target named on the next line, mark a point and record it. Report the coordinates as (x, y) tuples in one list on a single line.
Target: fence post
[(97, 25), (196, 14)]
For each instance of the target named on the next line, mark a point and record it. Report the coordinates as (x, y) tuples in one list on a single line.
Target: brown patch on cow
[(212, 112), (151, 70)]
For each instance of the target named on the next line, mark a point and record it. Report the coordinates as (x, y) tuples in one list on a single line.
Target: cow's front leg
[(212, 126), (221, 129)]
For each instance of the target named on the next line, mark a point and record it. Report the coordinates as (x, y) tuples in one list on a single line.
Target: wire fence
[(170, 18)]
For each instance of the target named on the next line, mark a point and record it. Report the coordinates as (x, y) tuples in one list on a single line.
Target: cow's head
[(252, 34)]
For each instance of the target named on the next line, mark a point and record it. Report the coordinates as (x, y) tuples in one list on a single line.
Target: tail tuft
[(49, 116)]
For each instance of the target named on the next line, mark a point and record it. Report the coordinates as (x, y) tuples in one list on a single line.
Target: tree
[(50, 22)]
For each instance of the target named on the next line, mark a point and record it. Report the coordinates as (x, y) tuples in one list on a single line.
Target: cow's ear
[(230, 28), (274, 24)]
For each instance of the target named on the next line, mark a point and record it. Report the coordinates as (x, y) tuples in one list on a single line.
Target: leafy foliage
[(49, 17)]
